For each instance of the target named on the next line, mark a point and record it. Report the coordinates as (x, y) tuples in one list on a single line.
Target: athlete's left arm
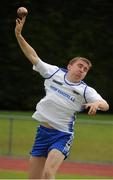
[(94, 101)]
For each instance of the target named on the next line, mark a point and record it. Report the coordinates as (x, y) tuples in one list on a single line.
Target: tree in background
[(58, 31)]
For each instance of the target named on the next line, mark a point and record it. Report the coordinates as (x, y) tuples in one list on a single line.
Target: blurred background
[(58, 31)]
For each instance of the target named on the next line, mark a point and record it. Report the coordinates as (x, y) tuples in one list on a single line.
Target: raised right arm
[(28, 51)]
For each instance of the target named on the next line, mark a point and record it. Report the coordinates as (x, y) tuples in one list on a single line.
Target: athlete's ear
[(69, 66)]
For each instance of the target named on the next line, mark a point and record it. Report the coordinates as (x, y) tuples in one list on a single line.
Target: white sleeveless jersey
[(63, 99)]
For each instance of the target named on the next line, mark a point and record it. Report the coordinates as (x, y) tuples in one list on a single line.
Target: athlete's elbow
[(105, 107)]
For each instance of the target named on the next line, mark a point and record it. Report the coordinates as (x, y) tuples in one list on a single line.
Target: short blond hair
[(72, 61)]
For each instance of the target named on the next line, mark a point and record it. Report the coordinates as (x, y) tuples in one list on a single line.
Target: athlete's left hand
[(93, 107)]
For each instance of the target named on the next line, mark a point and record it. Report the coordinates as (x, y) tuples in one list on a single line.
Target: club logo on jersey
[(71, 98)]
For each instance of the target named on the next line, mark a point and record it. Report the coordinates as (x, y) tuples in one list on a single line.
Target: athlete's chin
[(79, 78)]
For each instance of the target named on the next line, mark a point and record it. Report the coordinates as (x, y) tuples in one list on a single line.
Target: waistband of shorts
[(53, 130), (48, 129), (47, 125)]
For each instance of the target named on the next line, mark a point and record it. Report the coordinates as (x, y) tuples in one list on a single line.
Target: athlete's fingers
[(92, 110), (23, 19), (86, 106)]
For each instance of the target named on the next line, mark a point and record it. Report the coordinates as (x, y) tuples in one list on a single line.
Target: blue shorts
[(47, 139)]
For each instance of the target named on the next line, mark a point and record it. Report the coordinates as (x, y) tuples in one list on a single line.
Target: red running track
[(85, 169)]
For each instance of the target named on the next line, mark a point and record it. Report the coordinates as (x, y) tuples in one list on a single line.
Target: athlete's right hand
[(19, 26)]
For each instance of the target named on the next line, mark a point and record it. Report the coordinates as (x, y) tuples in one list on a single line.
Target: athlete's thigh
[(54, 160), (36, 165)]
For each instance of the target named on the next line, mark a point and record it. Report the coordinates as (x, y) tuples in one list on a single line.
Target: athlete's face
[(77, 71)]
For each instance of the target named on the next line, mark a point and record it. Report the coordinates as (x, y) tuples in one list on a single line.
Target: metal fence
[(9, 133)]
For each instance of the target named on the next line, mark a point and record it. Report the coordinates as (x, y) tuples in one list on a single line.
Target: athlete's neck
[(72, 79)]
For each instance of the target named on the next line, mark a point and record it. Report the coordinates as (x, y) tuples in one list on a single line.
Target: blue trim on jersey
[(53, 74), (83, 83), (64, 70), (71, 123), (84, 94)]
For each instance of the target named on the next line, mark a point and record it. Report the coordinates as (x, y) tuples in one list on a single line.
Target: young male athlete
[(66, 94)]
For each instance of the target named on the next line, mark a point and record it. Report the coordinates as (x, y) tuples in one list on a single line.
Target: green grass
[(98, 116), (5, 174), (93, 142), (21, 138)]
